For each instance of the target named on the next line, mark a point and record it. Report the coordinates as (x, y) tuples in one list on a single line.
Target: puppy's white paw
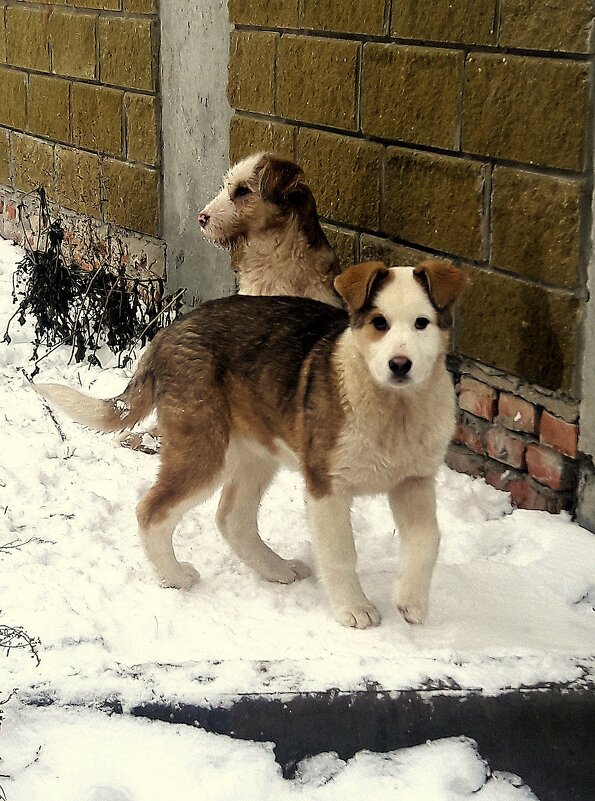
[(287, 571), (300, 569), (359, 615), (184, 578), (413, 610)]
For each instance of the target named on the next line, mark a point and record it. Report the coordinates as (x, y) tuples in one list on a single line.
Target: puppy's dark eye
[(242, 191), (421, 323), (379, 322)]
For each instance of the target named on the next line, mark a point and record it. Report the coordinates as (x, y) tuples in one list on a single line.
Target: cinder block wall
[(79, 115), (457, 128)]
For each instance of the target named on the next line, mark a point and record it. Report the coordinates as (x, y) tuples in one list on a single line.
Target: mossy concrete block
[(343, 242), (100, 5), (344, 175), (140, 6), (248, 135), (5, 169), (13, 98), (375, 248), (127, 52), (527, 109), (142, 128), (544, 25), (2, 34), (48, 107), (436, 201), (536, 223), (251, 82), (412, 94), (317, 80), (73, 44), (265, 13), (452, 21), (78, 181), (349, 16), (521, 328), (97, 118), (33, 163), (131, 196), (27, 37)]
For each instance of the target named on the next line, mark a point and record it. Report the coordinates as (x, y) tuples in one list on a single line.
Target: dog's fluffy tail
[(114, 414)]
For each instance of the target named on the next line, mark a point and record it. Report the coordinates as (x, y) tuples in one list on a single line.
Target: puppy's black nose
[(203, 219), (399, 366)]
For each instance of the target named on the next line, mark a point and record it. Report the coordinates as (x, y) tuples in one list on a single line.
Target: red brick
[(549, 467), (471, 438), (477, 398), (505, 447), (559, 434), (517, 414), (501, 477), (526, 496), (463, 461)]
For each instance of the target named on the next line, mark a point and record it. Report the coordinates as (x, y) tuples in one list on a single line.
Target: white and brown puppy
[(266, 206), (359, 401)]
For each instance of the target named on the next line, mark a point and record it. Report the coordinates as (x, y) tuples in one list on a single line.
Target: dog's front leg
[(335, 551), (413, 503)]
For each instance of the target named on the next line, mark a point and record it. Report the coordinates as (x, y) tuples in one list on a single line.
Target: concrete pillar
[(195, 128), (585, 512)]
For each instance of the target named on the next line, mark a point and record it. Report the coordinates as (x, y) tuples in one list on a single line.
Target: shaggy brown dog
[(266, 205), (359, 401)]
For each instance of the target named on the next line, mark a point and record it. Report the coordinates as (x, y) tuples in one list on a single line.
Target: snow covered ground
[(512, 605)]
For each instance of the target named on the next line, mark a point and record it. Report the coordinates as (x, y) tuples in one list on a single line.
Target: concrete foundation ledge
[(545, 734)]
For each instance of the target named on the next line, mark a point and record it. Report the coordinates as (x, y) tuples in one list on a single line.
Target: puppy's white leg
[(331, 520), (156, 539), (175, 492), (248, 477), (413, 504)]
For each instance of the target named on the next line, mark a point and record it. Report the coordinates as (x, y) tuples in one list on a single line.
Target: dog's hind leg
[(187, 476), (248, 474)]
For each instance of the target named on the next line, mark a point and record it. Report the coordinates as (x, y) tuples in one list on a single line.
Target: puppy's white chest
[(374, 456), (369, 465)]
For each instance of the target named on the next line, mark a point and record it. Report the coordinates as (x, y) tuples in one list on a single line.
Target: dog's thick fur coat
[(360, 401), (266, 208)]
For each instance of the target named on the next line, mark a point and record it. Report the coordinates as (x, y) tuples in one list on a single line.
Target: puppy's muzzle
[(400, 366), (203, 219)]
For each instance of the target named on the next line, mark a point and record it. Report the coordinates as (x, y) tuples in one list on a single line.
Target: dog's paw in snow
[(360, 615), (413, 610), (184, 579), (287, 571)]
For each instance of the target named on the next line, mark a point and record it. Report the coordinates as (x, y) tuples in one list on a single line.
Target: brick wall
[(79, 115), (459, 131)]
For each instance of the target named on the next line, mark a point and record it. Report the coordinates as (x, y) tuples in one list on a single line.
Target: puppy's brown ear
[(356, 283), (443, 281), (279, 178)]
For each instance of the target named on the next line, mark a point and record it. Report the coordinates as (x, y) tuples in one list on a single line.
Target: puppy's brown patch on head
[(358, 286), (278, 178), (444, 283)]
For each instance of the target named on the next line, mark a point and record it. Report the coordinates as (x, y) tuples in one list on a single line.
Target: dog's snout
[(399, 366), (203, 219)]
